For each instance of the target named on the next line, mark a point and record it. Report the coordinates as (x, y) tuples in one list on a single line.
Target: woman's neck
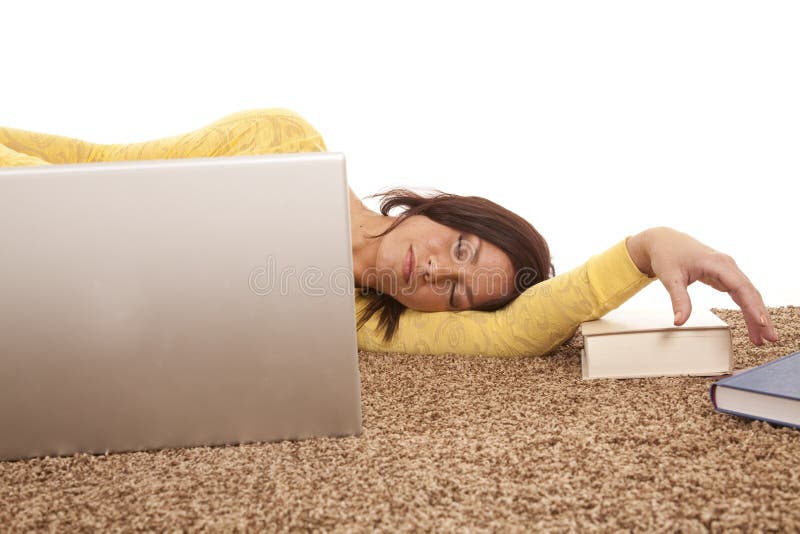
[(364, 222)]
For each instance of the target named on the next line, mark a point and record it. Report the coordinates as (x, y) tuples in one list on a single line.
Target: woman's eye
[(458, 249)]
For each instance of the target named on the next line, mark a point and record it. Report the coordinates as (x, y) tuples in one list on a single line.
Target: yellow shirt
[(538, 321)]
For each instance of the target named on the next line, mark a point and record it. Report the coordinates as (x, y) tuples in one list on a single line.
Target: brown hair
[(525, 247)]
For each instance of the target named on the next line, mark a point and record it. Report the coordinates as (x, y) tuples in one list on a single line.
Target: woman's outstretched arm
[(550, 312)]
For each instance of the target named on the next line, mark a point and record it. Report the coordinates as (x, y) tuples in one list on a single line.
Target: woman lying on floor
[(450, 274)]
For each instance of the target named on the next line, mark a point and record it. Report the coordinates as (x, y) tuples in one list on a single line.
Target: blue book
[(769, 392)]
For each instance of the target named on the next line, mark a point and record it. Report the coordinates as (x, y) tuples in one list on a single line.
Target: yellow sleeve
[(538, 321)]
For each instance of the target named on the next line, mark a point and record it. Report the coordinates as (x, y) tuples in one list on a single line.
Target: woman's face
[(428, 266)]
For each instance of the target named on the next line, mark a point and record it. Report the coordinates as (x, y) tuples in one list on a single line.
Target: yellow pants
[(258, 131)]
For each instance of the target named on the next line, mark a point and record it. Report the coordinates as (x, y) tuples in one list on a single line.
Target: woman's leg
[(257, 131), (12, 158), (34, 148)]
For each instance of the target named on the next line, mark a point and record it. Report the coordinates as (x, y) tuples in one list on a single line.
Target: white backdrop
[(594, 120)]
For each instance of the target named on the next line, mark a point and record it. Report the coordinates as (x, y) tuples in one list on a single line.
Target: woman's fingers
[(679, 259), (759, 324), (675, 284), (743, 292)]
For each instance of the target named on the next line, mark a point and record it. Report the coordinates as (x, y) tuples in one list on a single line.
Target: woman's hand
[(679, 260)]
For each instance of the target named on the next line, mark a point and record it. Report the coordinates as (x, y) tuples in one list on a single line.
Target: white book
[(642, 343)]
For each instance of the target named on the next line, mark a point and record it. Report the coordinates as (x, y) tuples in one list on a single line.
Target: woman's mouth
[(408, 265)]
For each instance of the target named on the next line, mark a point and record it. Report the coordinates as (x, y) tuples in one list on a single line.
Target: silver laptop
[(174, 303)]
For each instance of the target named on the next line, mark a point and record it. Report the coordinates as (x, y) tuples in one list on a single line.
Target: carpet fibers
[(457, 443)]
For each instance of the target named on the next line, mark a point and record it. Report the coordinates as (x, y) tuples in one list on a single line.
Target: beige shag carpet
[(457, 444)]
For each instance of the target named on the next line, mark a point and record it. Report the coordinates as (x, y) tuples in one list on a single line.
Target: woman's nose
[(436, 271)]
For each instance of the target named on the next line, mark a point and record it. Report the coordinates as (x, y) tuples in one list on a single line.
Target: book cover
[(769, 392)]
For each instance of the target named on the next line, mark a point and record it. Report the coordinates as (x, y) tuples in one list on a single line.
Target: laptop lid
[(172, 303)]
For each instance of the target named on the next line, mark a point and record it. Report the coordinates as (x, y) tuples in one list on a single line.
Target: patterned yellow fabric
[(258, 131), (535, 323), (12, 158)]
